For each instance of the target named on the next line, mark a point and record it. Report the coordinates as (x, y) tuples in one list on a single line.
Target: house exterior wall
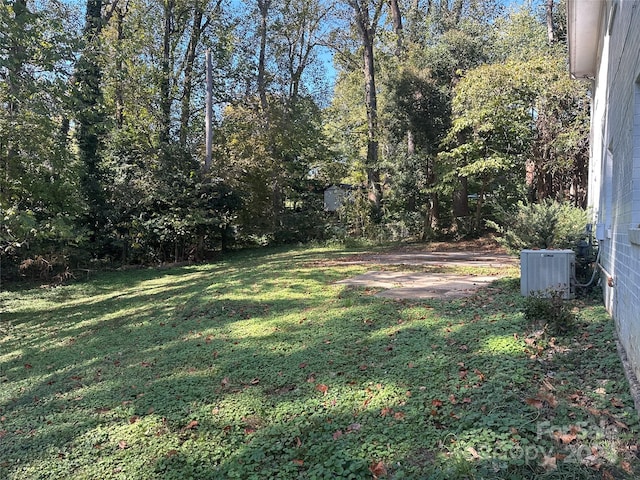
[(615, 168)]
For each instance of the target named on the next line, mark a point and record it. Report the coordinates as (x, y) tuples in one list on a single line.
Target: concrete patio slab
[(419, 285), (427, 285)]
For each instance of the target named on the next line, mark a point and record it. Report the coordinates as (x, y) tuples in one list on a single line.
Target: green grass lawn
[(260, 367)]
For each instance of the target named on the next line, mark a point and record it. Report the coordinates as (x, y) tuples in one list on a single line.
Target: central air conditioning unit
[(543, 271)]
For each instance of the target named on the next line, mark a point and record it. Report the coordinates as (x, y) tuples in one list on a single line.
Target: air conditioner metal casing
[(543, 271)]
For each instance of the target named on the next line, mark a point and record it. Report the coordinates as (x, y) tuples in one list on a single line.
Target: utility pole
[(208, 114)]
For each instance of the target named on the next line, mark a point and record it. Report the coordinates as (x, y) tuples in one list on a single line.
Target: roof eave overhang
[(585, 25)]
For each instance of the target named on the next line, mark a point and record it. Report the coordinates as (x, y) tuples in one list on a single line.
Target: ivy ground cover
[(260, 367)]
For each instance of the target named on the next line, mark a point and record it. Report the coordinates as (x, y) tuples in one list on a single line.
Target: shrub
[(39, 245), (550, 311), (548, 224)]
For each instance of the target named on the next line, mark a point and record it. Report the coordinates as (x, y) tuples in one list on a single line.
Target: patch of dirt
[(485, 250), (395, 269), (485, 245)]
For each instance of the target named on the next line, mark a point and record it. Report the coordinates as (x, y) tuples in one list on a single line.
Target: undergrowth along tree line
[(433, 113)]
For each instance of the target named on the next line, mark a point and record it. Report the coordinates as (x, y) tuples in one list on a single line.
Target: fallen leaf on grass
[(616, 403), (354, 427), (473, 452), (534, 402), (549, 398), (134, 419), (298, 462), (337, 434), (122, 444), (592, 461), (549, 463), (322, 388), (190, 426), (378, 470), (564, 438)]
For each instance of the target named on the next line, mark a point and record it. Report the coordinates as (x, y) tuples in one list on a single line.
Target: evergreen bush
[(548, 224)]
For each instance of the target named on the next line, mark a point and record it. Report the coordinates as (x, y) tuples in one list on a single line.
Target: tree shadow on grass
[(325, 387)]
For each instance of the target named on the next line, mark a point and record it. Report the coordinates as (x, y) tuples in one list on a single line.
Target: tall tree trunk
[(373, 172), (15, 66), (411, 143), (479, 205), (263, 7), (208, 124), (549, 18), (187, 83), (90, 122), (456, 11), (367, 27), (119, 100), (17, 56), (165, 80), (460, 199), (396, 16), (530, 179)]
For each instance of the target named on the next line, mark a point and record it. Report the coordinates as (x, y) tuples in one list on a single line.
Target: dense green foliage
[(549, 311), (432, 113), (547, 224), (261, 367)]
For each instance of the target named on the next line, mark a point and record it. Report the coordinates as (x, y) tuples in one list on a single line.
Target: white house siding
[(615, 167)]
